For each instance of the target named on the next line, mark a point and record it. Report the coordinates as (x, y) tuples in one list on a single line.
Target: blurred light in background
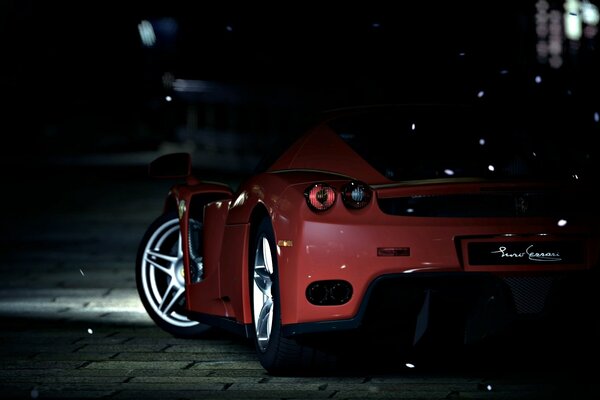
[(146, 32), (190, 85), (555, 23), (162, 32), (572, 20)]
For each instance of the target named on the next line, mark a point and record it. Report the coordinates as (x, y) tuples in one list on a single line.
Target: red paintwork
[(341, 243)]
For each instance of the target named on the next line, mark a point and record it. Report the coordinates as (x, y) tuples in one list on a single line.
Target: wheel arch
[(258, 214)]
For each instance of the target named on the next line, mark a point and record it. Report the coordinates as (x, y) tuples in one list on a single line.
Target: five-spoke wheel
[(160, 277)]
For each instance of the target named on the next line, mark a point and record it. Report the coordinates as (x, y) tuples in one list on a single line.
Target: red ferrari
[(407, 219)]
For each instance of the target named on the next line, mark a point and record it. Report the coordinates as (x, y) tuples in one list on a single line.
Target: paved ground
[(72, 326)]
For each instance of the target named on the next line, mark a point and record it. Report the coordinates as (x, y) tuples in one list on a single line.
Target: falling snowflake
[(562, 222)]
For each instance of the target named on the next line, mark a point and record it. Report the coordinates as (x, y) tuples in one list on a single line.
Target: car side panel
[(204, 296), (234, 272), (224, 288)]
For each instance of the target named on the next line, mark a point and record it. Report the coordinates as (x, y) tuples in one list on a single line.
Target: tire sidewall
[(269, 356)]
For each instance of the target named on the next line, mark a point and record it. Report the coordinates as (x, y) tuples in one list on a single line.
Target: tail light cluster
[(322, 196)]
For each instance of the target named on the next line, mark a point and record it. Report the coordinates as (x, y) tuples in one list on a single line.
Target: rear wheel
[(279, 355), (160, 276)]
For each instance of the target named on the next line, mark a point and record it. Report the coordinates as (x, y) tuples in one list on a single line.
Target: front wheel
[(279, 355), (160, 277)]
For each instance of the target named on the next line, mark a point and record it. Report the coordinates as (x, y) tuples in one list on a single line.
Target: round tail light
[(320, 196), (356, 195)]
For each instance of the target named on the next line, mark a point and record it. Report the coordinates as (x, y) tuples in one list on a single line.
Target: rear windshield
[(429, 142)]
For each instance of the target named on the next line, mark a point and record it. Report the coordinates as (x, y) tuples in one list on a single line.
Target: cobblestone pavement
[(72, 326)]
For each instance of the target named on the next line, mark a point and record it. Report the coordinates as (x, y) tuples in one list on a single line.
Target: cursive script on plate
[(530, 254)]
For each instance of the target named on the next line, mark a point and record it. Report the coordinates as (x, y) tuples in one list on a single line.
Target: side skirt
[(227, 324)]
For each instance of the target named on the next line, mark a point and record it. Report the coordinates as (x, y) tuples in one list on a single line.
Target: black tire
[(159, 277), (279, 355)]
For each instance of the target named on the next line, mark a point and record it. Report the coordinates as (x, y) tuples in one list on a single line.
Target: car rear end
[(463, 260), (477, 225)]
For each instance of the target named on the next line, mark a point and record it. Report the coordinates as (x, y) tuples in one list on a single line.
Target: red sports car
[(391, 217)]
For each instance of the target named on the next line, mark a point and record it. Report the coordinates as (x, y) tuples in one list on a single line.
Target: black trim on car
[(468, 294), (224, 323)]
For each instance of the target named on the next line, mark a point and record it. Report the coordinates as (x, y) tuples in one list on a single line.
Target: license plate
[(513, 253)]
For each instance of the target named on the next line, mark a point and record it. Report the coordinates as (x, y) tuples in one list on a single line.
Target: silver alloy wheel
[(262, 297), (162, 274)]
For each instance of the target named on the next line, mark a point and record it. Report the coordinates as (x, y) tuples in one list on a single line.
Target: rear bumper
[(465, 306)]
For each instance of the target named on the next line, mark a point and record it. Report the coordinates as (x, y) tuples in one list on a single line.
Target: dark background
[(77, 80), (84, 109)]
